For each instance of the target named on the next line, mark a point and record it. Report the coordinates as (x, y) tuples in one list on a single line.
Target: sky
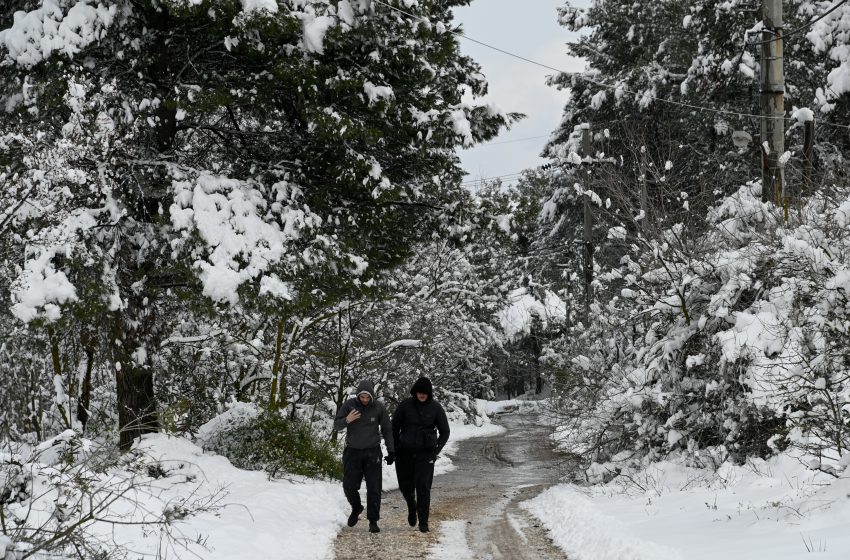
[(528, 28)]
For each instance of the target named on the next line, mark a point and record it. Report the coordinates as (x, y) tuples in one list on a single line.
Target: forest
[(228, 212)]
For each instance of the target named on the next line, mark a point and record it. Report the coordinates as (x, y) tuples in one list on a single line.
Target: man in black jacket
[(415, 425), (361, 417)]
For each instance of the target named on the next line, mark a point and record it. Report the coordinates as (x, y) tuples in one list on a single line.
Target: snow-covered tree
[(689, 72), (159, 150)]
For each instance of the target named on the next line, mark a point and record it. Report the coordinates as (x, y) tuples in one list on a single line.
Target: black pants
[(357, 464), (415, 472)]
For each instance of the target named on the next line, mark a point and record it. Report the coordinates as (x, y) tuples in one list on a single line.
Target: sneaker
[(355, 516), (373, 527), (423, 527)]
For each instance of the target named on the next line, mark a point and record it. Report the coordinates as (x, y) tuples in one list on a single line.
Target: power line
[(507, 176), (511, 141), (602, 84), (801, 28)]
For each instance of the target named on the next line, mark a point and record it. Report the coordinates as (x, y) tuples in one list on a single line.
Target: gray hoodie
[(363, 432)]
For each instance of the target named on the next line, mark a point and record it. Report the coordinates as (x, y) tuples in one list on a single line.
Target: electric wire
[(801, 28), (602, 84), (506, 177), (510, 141)]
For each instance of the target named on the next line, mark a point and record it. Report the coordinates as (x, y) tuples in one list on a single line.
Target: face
[(422, 396), (364, 398)]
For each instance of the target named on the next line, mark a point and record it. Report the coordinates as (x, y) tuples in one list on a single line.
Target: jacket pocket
[(430, 438)]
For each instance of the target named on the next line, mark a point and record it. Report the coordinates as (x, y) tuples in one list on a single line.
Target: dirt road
[(474, 509)]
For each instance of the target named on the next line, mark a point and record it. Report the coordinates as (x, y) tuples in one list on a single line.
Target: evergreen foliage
[(171, 164), (707, 335), (275, 444)]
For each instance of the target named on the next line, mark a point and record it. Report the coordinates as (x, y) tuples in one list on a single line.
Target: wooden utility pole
[(773, 106), (644, 193), (588, 223)]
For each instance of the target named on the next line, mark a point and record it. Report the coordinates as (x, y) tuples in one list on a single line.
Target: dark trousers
[(415, 472), (356, 465)]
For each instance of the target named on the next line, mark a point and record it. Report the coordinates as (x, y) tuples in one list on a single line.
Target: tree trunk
[(136, 403), (57, 374), (84, 400), (275, 399), (132, 336)]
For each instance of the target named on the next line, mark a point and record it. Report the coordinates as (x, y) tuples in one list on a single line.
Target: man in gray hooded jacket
[(361, 418)]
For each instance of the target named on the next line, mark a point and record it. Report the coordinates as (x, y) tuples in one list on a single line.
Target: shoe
[(411, 513), (423, 527), (373, 527), (355, 516)]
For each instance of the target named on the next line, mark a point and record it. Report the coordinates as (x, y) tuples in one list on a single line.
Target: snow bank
[(295, 518), (585, 533), (776, 510)]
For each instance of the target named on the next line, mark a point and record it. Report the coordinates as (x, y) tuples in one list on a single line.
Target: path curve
[(475, 513)]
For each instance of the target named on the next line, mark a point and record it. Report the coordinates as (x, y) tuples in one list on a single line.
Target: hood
[(423, 385), (366, 386)]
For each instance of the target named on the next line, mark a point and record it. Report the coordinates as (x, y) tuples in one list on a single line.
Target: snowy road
[(475, 511)]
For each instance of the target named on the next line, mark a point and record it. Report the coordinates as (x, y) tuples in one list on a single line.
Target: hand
[(352, 416), (390, 459)]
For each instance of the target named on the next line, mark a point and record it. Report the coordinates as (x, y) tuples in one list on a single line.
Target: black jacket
[(416, 424), (363, 432)]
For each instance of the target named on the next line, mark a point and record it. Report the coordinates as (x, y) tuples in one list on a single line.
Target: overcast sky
[(528, 28)]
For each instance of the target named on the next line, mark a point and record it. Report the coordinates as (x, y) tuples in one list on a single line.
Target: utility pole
[(773, 106), (588, 224), (644, 193)]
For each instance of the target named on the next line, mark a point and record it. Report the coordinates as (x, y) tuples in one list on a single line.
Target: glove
[(390, 459)]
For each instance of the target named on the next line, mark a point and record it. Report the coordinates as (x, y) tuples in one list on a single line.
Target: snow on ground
[(294, 518), (775, 509), (452, 544)]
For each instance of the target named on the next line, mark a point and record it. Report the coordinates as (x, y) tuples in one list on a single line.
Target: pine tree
[(172, 148)]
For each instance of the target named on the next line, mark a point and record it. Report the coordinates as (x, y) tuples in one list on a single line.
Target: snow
[(276, 287), (260, 5), (452, 544), (462, 126), (517, 318), (404, 343), (376, 93), (36, 35), (828, 36), (315, 29), (803, 115), (584, 532), (230, 216), (298, 517), (764, 510), (42, 289), (252, 515)]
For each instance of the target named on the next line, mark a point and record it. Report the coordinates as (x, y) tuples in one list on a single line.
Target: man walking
[(415, 425), (363, 417)]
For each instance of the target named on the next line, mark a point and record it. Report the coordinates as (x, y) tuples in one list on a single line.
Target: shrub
[(278, 445)]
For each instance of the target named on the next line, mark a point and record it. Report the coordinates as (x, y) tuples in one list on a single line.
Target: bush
[(278, 445)]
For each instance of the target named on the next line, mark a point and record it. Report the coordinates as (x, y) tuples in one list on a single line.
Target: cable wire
[(801, 28), (602, 84), (507, 177), (510, 141)]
